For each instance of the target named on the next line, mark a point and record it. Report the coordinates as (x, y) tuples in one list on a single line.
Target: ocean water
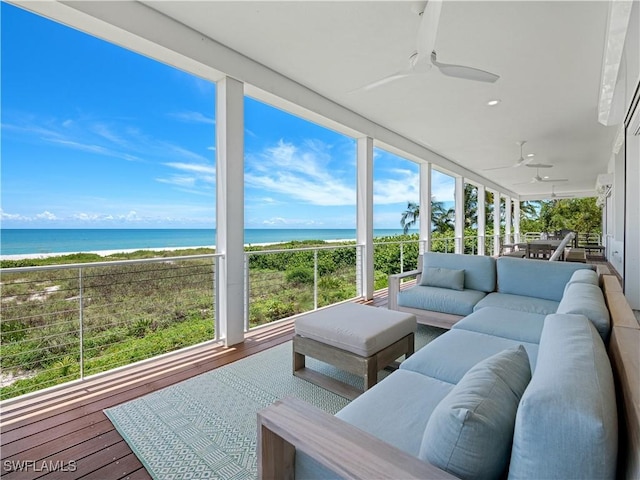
[(43, 241)]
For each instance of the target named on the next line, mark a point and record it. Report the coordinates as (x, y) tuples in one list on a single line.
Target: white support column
[(482, 227), (364, 220), (425, 207), (507, 220), (516, 220), (230, 208), (496, 223), (459, 221)]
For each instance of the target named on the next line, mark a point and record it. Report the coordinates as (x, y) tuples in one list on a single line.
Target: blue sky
[(95, 136)]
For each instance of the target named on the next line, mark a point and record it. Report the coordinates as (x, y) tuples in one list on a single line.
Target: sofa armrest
[(291, 424), (395, 282)]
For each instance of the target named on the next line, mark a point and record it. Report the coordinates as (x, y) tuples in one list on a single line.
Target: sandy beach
[(106, 253)]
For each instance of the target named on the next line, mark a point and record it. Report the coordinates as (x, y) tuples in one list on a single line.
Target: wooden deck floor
[(66, 435)]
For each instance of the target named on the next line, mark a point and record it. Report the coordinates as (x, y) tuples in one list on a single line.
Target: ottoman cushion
[(356, 328)]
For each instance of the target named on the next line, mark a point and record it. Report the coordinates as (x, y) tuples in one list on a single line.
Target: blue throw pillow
[(469, 433), (443, 278)]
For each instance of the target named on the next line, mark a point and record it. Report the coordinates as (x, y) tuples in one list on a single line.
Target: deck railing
[(66, 322), (284, 282), (63, 323)]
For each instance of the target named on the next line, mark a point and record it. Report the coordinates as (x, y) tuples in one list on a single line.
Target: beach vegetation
[(131, 312)]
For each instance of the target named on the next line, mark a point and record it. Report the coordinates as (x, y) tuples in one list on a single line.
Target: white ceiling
[(548, 55)]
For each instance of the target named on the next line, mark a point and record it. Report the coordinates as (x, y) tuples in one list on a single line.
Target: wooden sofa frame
[(291, 424)]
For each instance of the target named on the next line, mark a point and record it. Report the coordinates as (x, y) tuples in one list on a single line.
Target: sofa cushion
[(443, 278), (535, 278), (500, 322), (587, 300), (407, 400), (395, 410), (479, 271), (453, 353), (566, 425), (469, 433), (445, 300), (584, 276), (361, 329), (520, 303)]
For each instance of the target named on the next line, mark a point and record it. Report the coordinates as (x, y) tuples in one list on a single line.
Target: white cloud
[(46, 215), (192, 167), (111, 139), (12, 216), (442, 188), (132, 215), (178, 180), (275, 221), (289, 222), (194, 178), (397, 190), (193, 117), (86, 217), (301, 173)]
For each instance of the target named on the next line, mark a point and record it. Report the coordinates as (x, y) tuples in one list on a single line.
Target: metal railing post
[(315, 279), (80, 299), (360, 269), (247, 293), (214, 279), (401, 257)]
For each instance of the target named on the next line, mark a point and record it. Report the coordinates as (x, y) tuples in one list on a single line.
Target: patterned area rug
[(205, 427)]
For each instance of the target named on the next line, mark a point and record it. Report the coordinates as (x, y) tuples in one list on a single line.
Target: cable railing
[(62, 323), (280, 283)]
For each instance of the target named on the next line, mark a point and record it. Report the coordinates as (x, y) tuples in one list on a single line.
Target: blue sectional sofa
[(510, 283), (521, 386)]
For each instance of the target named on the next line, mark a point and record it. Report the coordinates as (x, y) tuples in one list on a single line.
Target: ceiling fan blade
[(498, 168), (549, 180), (538, 165), (518, 163), (383, 81), (533, 180), (467, 73), (428, 30)]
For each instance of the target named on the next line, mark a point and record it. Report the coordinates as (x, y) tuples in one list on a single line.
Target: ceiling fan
[(522, 161), (554, 195), (538, 179), (425, 57)]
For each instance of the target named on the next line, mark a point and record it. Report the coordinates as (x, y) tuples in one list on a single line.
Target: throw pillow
[(443, 278), (469, 433)]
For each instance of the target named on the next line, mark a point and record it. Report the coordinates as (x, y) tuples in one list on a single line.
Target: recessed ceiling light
[(530, 155), (493, 103)]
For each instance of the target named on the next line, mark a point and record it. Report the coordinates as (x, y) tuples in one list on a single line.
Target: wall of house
[(632, 220), (622, 213)]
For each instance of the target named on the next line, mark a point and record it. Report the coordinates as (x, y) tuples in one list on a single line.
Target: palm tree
[(409, 216), (441, 218)]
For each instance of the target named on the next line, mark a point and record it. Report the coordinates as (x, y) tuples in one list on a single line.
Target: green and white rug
[(205, 427)]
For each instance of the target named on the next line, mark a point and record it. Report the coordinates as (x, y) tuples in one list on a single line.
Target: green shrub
[(12, 331), (300, 276)]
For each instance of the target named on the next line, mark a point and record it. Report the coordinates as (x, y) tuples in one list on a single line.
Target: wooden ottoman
[(357, 338)]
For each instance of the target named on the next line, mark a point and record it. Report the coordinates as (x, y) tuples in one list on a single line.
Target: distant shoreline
[(43, 243), (106, 253)]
